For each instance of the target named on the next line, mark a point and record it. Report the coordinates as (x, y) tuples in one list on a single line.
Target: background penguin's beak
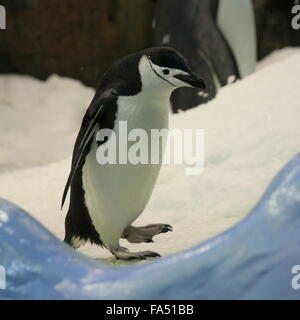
[(192, 79)]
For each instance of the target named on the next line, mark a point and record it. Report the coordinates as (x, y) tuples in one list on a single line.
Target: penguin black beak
[(192, 80)]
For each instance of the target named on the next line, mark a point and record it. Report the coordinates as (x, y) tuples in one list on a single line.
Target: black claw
[(139, 257), (153, 254), (149, 240), (144, 256), (166, 228), (132, 258)]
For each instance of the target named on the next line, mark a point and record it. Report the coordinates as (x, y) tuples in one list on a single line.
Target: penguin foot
[(145, 234), (124, 254)]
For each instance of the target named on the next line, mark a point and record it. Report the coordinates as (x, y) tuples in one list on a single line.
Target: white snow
[(38, 119), (277, 56), (251, 130)]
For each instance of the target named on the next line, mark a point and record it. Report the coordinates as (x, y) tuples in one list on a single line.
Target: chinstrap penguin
[(106, 199)]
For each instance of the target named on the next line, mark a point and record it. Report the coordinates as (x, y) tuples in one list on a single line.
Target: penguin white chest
[(116, 194)]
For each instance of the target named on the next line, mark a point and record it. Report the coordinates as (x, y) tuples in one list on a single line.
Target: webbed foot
[(146, 233)]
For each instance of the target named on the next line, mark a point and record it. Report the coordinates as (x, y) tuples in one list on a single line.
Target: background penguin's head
[(164, 68)]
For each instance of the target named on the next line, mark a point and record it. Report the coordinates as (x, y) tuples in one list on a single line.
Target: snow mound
[(38, 119)]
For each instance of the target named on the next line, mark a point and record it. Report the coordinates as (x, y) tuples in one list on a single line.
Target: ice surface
[(251, 130)]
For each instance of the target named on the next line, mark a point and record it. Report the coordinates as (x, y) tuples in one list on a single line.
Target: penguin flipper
[(95, 111)]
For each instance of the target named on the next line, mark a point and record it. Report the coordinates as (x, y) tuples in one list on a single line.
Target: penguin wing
[(97, 108)]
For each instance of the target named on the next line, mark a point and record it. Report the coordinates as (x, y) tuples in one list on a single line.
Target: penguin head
[(164, 68), (154, 70)]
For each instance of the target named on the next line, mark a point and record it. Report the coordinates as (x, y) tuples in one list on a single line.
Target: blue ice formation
[(252, 260)]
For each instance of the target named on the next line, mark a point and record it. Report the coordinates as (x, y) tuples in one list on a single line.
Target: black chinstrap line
[(159, 74)]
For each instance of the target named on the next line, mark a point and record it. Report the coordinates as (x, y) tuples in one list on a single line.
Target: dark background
[(80, 39)]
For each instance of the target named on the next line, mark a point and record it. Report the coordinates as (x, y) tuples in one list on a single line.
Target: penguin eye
[(166, 71)]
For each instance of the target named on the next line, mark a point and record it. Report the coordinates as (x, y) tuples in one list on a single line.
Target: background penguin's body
[(207, 36), (106, 199)]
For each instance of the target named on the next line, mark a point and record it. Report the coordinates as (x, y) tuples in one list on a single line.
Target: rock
[(72, 38)]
